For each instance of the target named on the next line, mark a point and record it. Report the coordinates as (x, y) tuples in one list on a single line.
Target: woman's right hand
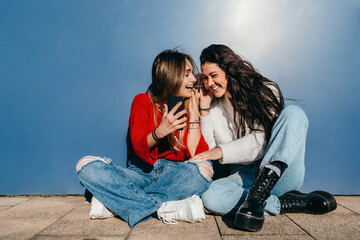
[(170, 122), (205, 99), (213, 154)]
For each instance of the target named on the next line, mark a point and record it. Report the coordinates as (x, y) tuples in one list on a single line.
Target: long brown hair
[(168, 73), (251, 93)]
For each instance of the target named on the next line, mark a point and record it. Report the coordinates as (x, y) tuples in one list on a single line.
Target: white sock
[(277, 166)]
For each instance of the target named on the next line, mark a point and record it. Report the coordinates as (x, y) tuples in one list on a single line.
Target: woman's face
[(188, 82), (214, 79)]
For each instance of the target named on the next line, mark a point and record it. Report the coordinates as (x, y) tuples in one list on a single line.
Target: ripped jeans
[(287, 144), (136, 192)]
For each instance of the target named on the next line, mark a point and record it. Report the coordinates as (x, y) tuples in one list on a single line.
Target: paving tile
[(67, 218), (351, 202), (75, 238), (77, 223), (156, 229), (339, 224), (39, 207), (273, 225), (25, 220), (12, 201), (3, 208), (267, 237)]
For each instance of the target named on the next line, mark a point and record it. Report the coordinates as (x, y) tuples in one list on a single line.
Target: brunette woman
[(246, 125)]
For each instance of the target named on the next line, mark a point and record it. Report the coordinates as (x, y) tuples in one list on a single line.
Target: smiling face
[(214, 79), (188, 81)]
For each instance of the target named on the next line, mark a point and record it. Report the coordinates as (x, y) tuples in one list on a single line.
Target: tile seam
[(126, 238), (39, 233), (348, 209), (11, 206), (300, 226), (218, 227)]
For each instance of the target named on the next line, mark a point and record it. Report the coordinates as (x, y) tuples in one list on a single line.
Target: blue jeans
[(287, 144), (136, 192)]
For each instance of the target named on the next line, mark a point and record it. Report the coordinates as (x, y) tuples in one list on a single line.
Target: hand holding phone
[(171, 121), (172, 101)]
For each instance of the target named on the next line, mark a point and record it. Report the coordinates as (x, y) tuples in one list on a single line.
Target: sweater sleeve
[(139, 125), (244, 150)]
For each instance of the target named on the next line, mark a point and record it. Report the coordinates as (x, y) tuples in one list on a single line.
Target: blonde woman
[(158, 176)]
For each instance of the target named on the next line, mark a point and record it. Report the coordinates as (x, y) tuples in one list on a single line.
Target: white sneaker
[(98, 210), (188, 210)]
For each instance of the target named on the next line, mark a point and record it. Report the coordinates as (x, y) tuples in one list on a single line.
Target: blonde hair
[(168, 73)]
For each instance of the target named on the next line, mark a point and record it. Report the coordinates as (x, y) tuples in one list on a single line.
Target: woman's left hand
[(213, 154), (194, 106)]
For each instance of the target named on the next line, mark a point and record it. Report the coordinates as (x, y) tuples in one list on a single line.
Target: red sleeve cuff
[(142, 150)]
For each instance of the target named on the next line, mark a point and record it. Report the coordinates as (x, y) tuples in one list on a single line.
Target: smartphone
[(172, 101)]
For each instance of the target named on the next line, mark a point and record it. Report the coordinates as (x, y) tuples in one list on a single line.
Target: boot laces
[(167, 220), (261, 187), (289, 205)]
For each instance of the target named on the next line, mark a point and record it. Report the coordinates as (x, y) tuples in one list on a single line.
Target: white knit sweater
[(218, 129)]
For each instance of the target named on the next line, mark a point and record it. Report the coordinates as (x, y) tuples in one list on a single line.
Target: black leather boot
[(317, 202), (250, 216)]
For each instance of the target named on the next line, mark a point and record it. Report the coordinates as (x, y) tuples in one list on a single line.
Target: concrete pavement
[(57, 217)]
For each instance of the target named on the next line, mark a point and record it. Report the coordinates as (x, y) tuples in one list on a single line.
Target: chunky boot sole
[(250, 216), (248, 222)]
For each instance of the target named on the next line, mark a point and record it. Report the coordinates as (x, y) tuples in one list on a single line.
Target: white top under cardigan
[(218, 129)]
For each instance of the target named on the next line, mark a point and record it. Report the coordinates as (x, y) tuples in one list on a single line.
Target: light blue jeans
[(287, 144), (136, 192)]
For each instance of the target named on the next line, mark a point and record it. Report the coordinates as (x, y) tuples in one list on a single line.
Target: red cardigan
[(141, 124)]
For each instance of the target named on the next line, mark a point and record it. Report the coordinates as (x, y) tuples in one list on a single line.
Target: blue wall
[(70, 69)]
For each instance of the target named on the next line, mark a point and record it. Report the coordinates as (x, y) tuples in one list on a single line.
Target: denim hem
[(275, 207), (274, 159), (277, 159), (133, 223)]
